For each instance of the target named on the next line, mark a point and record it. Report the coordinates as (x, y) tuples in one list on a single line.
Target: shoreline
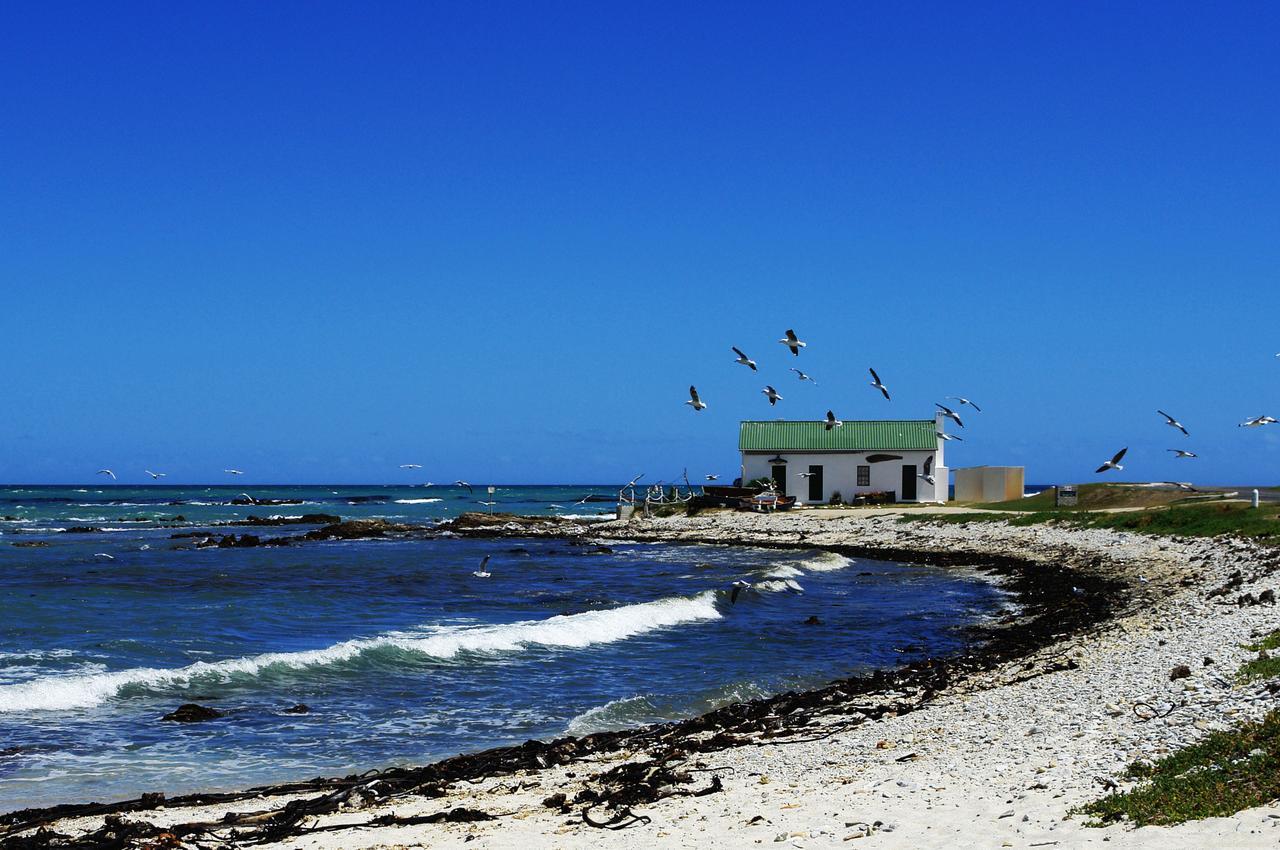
[(1074, 589)]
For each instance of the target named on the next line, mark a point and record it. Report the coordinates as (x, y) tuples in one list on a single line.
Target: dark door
[(908, 483), (815, 483), (779, 474)]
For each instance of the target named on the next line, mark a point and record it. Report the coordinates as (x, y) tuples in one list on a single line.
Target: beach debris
[(193, 713)]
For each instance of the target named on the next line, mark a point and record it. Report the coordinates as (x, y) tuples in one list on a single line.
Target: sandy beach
[(996, 756)]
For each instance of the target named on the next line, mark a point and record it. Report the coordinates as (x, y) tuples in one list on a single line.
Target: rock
[(556, 801), (813, 621), (358, 529), (305, 519), (193, 713), (300, 708), (83, 529), (1208, 662), (30, 544), (1182, 671)]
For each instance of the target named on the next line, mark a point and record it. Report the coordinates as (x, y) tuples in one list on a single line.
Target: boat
[(766, 502)]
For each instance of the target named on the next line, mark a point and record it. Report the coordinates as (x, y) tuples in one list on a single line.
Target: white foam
[(778, 586), (565, 630), (784, 571), (417, 501), (826, 561)]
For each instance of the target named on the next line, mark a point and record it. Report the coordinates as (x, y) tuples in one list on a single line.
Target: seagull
[(942, 435), (772, 394), (233, 472), (737, 588), (584, 499), (875, 382), (1248, 423), (806, 474), (964, 400), (927, 475), (743, 359), (792, 342), (1178, 453), (487, 504), (411, 466), (694, 401), (107, 472), (155, 475), (802, 376), (832, 422), (461, 483), (1114, 463), (104, 555), (1181, 485), (482, 572), (713, 477), (950, 414), (1173, 423)]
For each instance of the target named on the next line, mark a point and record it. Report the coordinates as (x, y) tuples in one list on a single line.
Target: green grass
[(1213, 778), (1262, 668), (1091, 497)]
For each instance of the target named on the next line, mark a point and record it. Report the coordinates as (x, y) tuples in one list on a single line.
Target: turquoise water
[(400, 652)]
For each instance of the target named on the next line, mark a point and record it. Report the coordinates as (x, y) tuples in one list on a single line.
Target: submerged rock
[(300, 708), (29, 544), (356, 529), (193, 713)]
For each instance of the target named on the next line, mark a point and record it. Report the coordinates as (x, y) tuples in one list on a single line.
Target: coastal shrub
[(1216, 777)]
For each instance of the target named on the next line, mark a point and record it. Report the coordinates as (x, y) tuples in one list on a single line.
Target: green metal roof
[(857, 435)]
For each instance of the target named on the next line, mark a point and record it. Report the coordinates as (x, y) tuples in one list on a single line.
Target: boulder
[(193, 713)]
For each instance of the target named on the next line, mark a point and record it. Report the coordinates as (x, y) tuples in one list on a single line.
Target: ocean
[(400, 654)]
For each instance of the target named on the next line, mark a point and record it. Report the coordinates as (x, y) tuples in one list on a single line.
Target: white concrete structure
[(989, 483), (862, 456)]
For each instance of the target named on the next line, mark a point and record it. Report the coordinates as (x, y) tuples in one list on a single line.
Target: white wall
[(840, 473)]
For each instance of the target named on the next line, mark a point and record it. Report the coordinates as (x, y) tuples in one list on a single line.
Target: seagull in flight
[(802, 376), (411, 466), (695, 402), (832, 422), (878, 384), (793, 342), (950, 414), (964, 400), (712, 477), (1248, 423), (772, 394), (1178, 453), (461, 483), (233, 472), (743, 359), (1181, 485), (943, 435), (155, 475), (107, 472), (736, 590), (482, 572), (104, 555), (927, 475), (1114, 463), (806, 474), (1173, 423)]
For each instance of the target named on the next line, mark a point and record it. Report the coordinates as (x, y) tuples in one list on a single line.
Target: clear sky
[(315, 241)]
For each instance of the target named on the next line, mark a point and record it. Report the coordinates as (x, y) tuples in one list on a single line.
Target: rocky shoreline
[(1040, 714)]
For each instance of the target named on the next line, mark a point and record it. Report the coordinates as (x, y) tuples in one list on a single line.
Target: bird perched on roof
[(743, 359), (1114, 463), (964, 400), (943, 435), (694, 401), (1173, 423), (1182, 453), (802, 376), (832, 422), (1258, 420), (772, 394), (793, 342), (878, 384), (927, 475), (949, 413), (107, 472)]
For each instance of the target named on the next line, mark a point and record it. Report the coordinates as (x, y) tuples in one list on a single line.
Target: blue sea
[(401, 654)]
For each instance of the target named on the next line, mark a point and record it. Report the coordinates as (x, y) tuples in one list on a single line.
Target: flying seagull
[(878, 384), (461, 483), (1173, 423), (792, 342), (802, 376), (411, 466), (964, 400), (943, 435), (694, 401), (155, 475), (950, 414), (743, 359), (1114, 463), (107, 472), (832, 422), (104, 555), (482, 572), (806, 474), (1248, 423), (737, 588), (772, 394), (927, 475), (233, 472), (1181, 485), (713, 477), (1180, 453)]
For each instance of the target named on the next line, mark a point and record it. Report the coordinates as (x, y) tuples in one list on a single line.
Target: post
[(1255, 498), (492, 490)]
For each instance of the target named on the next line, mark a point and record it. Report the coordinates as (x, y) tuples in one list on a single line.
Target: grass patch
[(1094, 497), (1213, 778), (1261, 668)]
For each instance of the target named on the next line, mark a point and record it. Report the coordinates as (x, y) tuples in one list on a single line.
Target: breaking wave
[(416, 501)]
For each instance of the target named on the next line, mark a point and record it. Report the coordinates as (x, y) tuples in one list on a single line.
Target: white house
[(862, 456)]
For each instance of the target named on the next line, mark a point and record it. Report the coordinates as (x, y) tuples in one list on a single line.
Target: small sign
[(1065, 496), (491, 490)]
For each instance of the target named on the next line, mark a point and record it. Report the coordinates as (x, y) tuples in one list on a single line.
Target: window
[(864, 476)]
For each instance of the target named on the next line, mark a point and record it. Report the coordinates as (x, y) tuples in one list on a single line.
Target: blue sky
[(315, 241)]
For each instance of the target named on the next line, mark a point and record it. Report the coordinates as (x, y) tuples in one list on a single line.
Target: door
[(779, 475), (815, 483), (908, 483)]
